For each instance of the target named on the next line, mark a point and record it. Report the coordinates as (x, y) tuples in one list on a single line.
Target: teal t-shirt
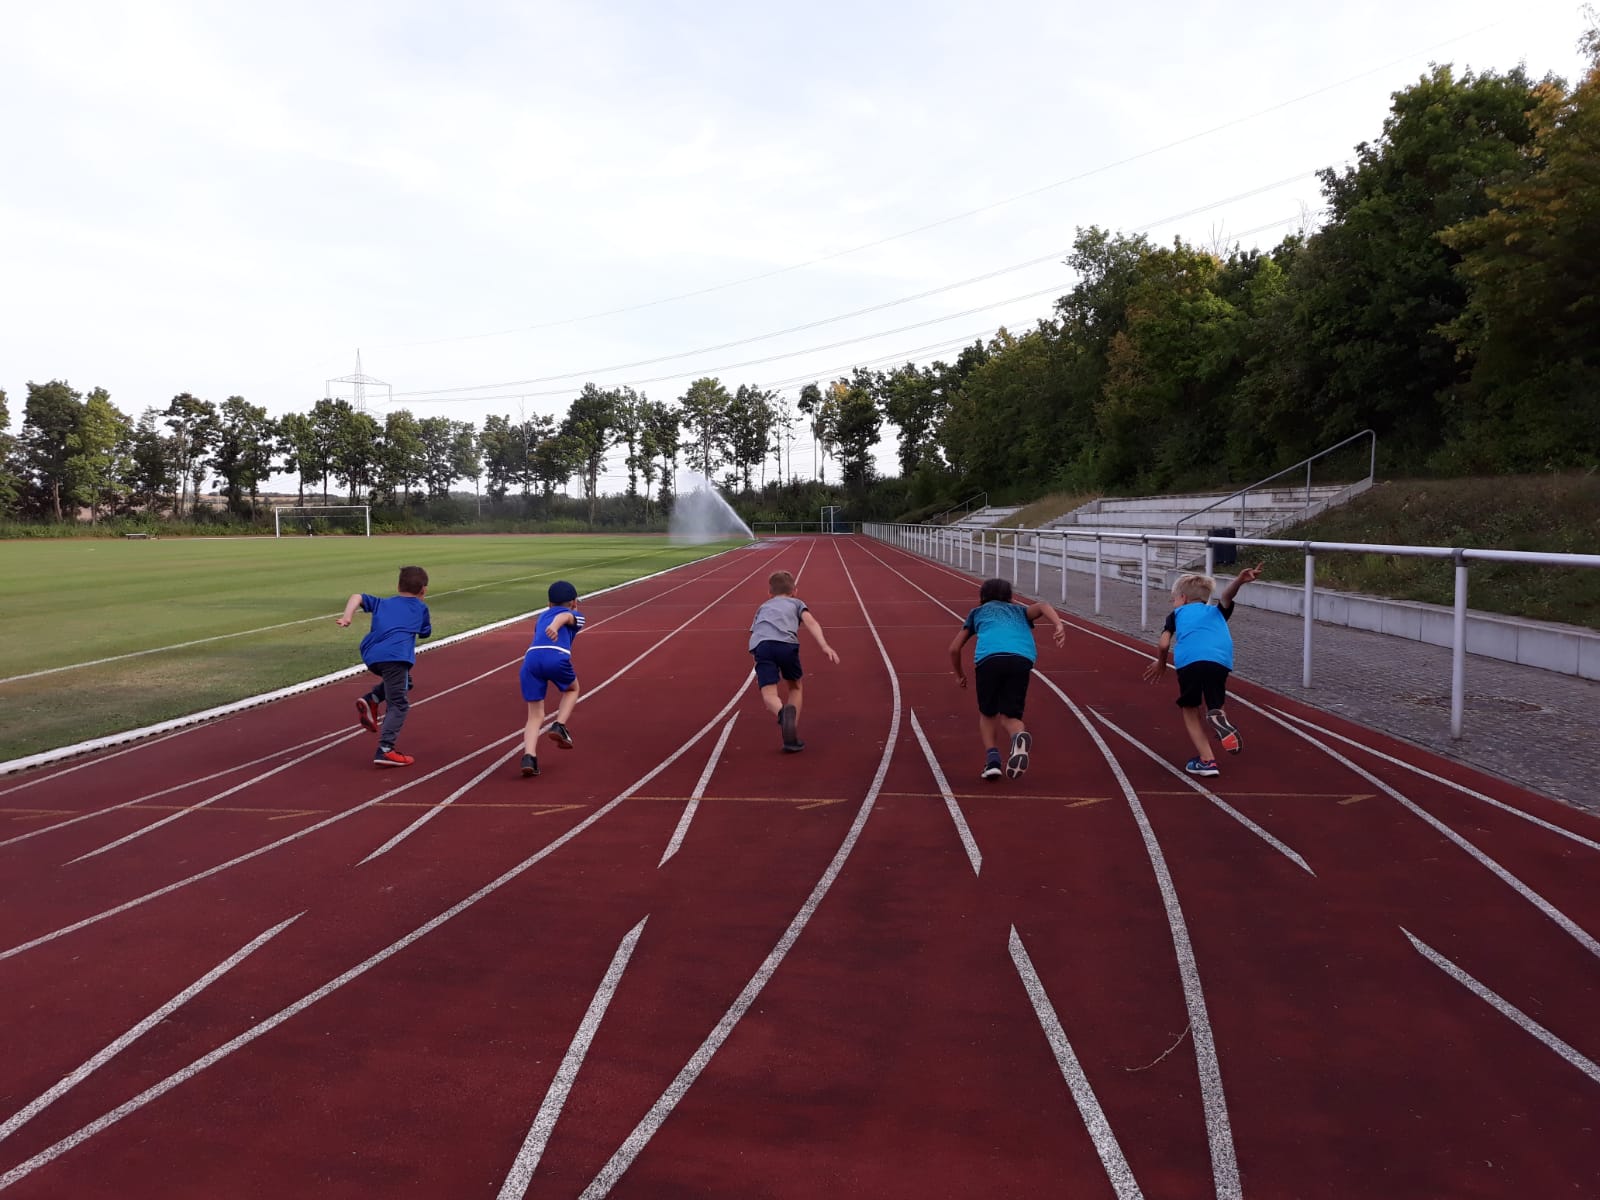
[(1001, 627)]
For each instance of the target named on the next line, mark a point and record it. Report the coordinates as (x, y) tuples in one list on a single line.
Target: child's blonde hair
[(781, 583), (1194, 587)]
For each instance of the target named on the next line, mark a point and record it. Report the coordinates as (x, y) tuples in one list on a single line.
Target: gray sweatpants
[(393, 685)]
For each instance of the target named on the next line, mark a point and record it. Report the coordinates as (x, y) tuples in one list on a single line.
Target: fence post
[(1458, 650), (1097, 572), (1036, 564), (1211, 557), (1016, 556), (1063, 568), (1144, 583), (1309, 607)]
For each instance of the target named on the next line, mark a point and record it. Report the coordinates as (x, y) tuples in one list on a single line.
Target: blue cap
[(562, 592)]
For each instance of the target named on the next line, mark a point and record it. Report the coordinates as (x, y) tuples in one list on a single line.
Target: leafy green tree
[(242, 454), (193, 426), (631, 411), (402, 460), (98, 461), (152, 477), (664, 431), (911, 401), (50, 417), (355, 450), (466, 461), (812, 408), (437, 436), (749, 421), (855, 427), (555, 459), (502, 454), (591, 426), (10, 464), (705, 416)]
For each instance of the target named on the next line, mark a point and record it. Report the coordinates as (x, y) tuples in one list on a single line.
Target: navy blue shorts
[(777, 660), (1199, 681), (541, 668)]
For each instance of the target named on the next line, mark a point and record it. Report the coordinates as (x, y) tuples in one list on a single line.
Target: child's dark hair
[(995, 589), (412, 581)]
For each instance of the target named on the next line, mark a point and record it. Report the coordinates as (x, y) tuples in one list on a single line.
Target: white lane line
[(963, 831), (1094, 1117), (1208, 794), (1506, 1008), (1219, 1129), (156, 1091), (48, 776), (636, 1141), (700, 786), (582, 697), (185, 723), (74, 1078), (1449, 783), (1566, 923), (555, 1099), (167, 791)]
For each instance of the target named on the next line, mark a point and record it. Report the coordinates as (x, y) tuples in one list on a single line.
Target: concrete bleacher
[(985, 518)]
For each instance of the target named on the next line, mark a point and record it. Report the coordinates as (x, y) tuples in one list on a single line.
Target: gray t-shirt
[(778, 620)]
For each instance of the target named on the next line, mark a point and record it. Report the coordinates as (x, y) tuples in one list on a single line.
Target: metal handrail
[(965, 506), (1372, 470)]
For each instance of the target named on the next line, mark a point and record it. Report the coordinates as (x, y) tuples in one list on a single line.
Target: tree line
[(1447, 302)]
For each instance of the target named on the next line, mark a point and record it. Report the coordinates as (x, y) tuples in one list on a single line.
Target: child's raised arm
[(351, 606), (956, 645), (1042, 608), (810, 623), (1248, 575), (1157, 667)]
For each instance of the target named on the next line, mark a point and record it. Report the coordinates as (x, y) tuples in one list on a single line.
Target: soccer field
[(104, 635)]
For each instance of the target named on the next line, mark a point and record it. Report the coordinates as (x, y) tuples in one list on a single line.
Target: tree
[(402, 458), (465, 460), (705, 415), (911, 400), (632, 409), (749, 419), (502, 452), (152, 477), (242, 453), (810, 406), (298, 441), (591, 427), (355, 450), (664, 428), (50, 417), (554, 461), (855, 425), (98, 455), (437, 436), (193, 424), (10, 466)]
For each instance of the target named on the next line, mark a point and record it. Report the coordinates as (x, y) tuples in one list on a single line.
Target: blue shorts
[(541, 668), (775, 660)]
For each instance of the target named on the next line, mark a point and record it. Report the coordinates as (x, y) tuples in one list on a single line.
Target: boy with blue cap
[(549, 661)]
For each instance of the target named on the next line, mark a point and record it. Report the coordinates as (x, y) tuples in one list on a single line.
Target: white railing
[(970, 550)]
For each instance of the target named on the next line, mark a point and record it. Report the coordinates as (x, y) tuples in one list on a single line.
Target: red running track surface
[(242, 962)]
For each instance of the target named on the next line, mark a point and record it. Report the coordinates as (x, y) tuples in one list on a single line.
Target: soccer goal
[(314, 520)]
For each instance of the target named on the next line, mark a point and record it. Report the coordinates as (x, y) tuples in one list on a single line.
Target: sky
[(496, 202)]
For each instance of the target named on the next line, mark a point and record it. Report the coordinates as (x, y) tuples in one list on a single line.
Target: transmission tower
[(359, 382)]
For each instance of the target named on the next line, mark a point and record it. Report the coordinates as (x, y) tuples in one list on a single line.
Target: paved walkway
[(1538, 729)]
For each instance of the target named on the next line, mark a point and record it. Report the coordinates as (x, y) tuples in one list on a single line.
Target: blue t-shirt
[(397, 623), (564, 635), (1001, 628), (1200, 634)]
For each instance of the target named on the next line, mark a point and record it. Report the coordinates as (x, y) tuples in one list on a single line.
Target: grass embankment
[(270, 602), (1046, 508), (1553, 514)]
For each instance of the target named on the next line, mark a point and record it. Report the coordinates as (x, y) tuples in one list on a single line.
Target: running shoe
[(391, 758), (1017, 764), (794, 747), (560, 736), (364, 714), (530, 765), (992, 768), (1225, 731), (787, 720), (1202, 766)]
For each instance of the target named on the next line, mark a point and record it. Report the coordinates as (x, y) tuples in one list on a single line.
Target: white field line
[(167, 791), (1505, 1007), (1219, 1129), (555, 1099), (74, 1078), (222, 637), (342, 738), (963, 830), (1094, 1117), (1569, 926), (50, 1153), (1208, 794), (1449, 783), (260, 850), (436, 809), (700, 786), (183, 724), (636, 1141)]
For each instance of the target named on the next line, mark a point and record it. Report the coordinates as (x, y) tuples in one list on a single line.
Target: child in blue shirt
[(390, 651), (1196, 634), (1002, 661), (549, 661)]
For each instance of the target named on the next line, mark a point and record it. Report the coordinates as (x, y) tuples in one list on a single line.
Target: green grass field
[(271, 604)]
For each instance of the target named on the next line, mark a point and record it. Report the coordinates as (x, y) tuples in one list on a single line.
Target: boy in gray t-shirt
[(775, 645)]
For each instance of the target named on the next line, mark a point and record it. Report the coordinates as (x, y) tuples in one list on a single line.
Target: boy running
[(549, 661), (390, 651), (775, 645)]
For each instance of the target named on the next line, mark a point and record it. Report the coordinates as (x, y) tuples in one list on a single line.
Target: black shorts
[(775, 660), (1206, 681), (1003, 685)]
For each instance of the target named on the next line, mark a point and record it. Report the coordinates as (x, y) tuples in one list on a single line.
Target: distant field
[(272, 602)]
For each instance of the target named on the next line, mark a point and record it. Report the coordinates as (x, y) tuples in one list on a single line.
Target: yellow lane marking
[(800, 802)]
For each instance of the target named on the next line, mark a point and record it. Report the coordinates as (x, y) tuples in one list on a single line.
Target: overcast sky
[(233, 199)]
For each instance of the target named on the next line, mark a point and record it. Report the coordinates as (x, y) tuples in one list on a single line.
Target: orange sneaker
[(391, 758)]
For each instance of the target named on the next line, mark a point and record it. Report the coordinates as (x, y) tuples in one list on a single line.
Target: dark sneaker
[(787, 720), (391, 758), (992, 768), (1202, 766), (1224, 729), (1017, 764), (559, 735), (794, 747), (530, 765), (364, 714)]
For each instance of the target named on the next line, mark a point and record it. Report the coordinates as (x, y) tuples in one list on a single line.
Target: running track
[(240, 962)]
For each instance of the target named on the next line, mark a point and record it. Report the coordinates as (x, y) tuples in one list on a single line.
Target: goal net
[(318, 520)]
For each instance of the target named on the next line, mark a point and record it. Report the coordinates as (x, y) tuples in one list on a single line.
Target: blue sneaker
[(991, 766), (1202, 766)]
